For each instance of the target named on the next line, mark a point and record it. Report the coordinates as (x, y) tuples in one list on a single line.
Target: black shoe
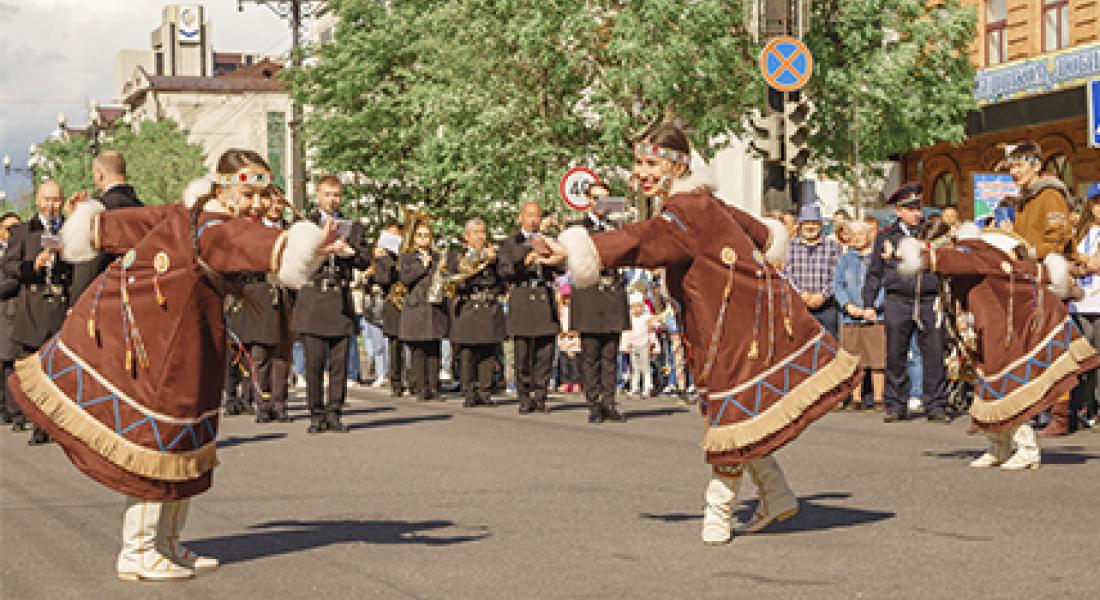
[(613, 415), (469, 402), (541, 407), (487, 401), (892, 418), (337, 427), (38, 438), (595, 416), (940, 417), (317, 427), (396, 392), (263, 417), (282, 418), (422, 397), (232, 410), (525, 408), (248, 409), (19, 426)]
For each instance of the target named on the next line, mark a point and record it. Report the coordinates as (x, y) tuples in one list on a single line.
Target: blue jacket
[(851, 272)]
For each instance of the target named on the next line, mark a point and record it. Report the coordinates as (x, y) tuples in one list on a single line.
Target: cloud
[(56, 55)]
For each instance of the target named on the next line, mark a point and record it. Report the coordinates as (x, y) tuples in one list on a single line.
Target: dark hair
[(9, 215), (1087, 220), (230, 162), (667, 135)]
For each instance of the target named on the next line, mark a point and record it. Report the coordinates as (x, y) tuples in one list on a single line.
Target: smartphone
[(610, 204)]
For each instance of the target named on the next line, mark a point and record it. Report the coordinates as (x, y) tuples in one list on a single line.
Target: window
[(160, 63), (1055, 25), (944, 191), (996, 32), (1059, 166)]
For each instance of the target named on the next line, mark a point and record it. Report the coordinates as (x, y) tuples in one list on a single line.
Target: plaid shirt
[(810, 268)]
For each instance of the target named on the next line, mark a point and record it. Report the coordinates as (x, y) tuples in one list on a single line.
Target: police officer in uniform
[(424, 319), (385, 275), (600, 313), (909, 307), (477, 318), (527, 262), (31, 258), (324, 316)]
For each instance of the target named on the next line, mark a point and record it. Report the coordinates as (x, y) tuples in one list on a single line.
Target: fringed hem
[(786, 411), (131, 457), (1000, 412)]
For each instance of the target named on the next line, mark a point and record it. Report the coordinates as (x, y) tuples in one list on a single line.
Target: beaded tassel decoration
[(754, 346), (1038, 297), (134, 344), (92, 328), (771, 316), (160, 267), (712, 351), (1011, 303)]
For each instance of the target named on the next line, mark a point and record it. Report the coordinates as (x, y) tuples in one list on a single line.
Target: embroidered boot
[(1027, 450), (718, 511), (174, 519), (777, 502), (140, 557)]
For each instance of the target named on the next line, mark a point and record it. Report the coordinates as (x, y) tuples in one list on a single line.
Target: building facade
[(1034, 60)]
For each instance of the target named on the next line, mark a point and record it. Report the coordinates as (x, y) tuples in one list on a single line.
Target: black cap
[(909, 194)]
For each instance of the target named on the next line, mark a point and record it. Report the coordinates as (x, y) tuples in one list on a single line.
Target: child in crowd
[(638, 342), (569, 361)]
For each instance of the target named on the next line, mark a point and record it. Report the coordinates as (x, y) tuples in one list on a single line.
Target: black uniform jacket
[(43, 295), (385, 275), (324, 307), (421, 320), (117, 196), (477, 316), (601, 308), (532, 311), (883, 272), (9, 291)]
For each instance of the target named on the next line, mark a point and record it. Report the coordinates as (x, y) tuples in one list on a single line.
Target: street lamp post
[(94, 128)]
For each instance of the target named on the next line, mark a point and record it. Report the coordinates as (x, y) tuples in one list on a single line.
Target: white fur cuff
[(78, 233), (300, 259), (909, 258), (584, 261), (1058, 269), (778, 241)]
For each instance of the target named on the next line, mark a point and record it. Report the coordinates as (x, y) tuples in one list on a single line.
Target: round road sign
[(786, 64), (574, 187)]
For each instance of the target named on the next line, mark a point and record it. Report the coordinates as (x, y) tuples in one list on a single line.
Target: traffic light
[(767, 137), (796, 132)]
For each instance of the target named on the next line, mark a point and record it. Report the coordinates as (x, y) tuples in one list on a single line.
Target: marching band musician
[(765, 367), (385, 275), (527, 262), (600, 314), (477, 318), (423, 317), (324, 315)]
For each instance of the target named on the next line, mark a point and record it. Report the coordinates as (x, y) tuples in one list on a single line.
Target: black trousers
[(271, 376), (425, 367), (900, 328), (11, 409), (397, 363), (318, 350), (569, 367), (477, 362), (599, 367), (534, 357)]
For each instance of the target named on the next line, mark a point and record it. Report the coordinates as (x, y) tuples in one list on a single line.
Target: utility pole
[(293, 11)]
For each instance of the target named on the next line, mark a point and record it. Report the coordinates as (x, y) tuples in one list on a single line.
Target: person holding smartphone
[(31, 259)]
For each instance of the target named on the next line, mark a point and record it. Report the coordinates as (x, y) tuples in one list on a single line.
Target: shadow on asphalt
[(812, 515), (288, 537), (304, 411), (654, 412), (398, 421), (1064, 455), (238, 440)]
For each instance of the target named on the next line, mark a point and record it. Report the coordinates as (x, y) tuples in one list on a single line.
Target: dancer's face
[(653, 174), (238, 198)]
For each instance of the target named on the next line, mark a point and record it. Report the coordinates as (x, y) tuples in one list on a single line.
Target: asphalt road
[(437, 501)]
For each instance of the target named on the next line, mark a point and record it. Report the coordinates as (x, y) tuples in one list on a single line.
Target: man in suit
[(477, 318), (324, 315), (386, 276), (527, 262), (9, 289), (600, 314), (908, 308), (109, 177), (31, 259)]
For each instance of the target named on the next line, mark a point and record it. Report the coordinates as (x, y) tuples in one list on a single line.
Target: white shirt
[(1090, 284)]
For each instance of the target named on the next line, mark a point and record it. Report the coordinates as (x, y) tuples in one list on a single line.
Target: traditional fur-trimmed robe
[(150, 432), (1026, 364), (752, 405)]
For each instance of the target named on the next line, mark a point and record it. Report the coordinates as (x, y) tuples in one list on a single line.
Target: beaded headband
[(644, 149), (244, 177)]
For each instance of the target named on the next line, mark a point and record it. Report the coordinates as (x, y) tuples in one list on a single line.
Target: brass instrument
[(413, 219), (444, 284)]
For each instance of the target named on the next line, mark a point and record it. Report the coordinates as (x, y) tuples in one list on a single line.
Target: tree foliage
[(468, 107), (160, 162)]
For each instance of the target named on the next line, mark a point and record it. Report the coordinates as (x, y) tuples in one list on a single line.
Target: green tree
[(160, 162)]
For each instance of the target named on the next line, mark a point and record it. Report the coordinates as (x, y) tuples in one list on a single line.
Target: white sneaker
[(985, 461), (1019, 463)]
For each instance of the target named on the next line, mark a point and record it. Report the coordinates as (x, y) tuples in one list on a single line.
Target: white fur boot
[(1000, 447), (142, 536), (777, 502), (718, 511), (175, 518), (1027, 450)]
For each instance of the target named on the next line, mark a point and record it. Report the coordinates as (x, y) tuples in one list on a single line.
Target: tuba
[(413, 219), (445, 284)]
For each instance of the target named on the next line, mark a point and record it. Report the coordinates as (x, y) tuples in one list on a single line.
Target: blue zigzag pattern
[(196, 433), (788, 384), (1033, 366)]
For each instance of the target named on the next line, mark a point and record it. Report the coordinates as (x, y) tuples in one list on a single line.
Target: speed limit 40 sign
[(574, 187)]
